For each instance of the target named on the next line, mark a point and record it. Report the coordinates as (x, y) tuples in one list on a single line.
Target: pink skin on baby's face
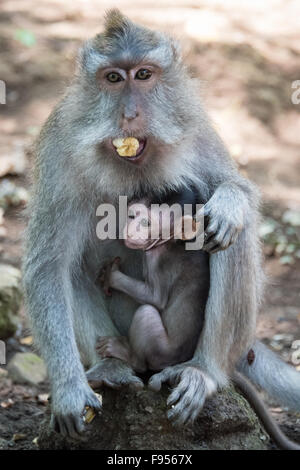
[(142, 222)]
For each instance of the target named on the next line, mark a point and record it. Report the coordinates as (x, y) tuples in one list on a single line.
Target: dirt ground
[(246, 55)]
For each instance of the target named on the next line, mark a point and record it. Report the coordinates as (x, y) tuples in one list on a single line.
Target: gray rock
[(3, 373), (27, 368), (10, 299), (226, 422)]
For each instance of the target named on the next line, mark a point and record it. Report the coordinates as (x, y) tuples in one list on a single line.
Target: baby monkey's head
[(149, 226)]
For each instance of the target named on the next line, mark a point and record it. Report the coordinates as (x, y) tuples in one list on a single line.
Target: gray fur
[(273, 375), (74, 174)]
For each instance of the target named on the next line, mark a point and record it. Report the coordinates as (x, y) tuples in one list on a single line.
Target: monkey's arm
[(51, 250), (140, 291)]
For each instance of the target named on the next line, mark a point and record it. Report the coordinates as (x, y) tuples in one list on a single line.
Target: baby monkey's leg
[(148, 347), (149, 342), (114, 346)]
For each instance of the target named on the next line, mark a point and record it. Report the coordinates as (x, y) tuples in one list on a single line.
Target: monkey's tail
[(265, 369), (265, 417)]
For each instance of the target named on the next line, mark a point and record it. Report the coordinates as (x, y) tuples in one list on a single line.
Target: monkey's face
[(146, 226), (135, 85), (128, 87)]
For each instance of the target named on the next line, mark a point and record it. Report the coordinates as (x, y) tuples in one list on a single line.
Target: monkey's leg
[(149, 345), (149, 341), (114, 346)]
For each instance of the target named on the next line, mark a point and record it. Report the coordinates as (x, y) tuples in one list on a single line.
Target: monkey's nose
[(130, 116), (132, 122)]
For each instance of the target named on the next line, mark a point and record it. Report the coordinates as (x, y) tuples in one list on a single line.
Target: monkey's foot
[(114, 346), (106, 274), (113, 373), (68, 403), (192, 387)]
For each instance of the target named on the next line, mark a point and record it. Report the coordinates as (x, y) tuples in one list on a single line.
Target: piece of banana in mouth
[(126, 147)]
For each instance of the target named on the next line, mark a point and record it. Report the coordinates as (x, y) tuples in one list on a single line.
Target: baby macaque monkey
[(166, 326)]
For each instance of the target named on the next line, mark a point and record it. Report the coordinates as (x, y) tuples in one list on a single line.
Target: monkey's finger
[(188, 407), (167, 375), (62, 427), (112, 384), (136, 384), (79, 425), (54, 423), (212, 229), (101, 347), (231, 238), (74, 426), (156, 381), (177, 393), (95, 383)]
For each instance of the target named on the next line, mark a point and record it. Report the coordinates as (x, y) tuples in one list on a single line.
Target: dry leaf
[(90, 413), (276, 410), (7, 404), (27, 341), (43, 398), (19, 437)]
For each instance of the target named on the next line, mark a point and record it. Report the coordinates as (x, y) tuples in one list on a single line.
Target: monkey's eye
[(114, 77), (145, 223), (131, 214), (143, 74)]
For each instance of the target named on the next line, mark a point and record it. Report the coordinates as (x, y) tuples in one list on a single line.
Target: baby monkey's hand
[(106, 275)]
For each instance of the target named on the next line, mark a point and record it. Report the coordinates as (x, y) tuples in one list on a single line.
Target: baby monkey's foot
[(106, 275), (114, 346)]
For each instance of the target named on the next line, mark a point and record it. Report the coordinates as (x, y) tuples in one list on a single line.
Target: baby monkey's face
[(148, 227), (146, 224)]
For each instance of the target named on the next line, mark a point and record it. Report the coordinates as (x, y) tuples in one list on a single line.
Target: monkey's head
[(131, 82), (148, 227)]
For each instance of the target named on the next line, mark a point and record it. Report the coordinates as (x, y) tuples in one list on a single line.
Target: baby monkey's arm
[(140, 291)]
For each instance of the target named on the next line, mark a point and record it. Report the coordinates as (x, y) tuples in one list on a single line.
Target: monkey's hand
[(107, 275), (225, 221), (68, 402), (192, 387), (113, 373)]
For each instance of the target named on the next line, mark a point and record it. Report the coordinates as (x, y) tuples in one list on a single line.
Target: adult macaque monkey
[(131, 82)]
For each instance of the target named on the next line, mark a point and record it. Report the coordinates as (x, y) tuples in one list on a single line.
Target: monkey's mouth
[(129, 148)]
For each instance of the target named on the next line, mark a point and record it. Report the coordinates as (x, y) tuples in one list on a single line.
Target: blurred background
[(246, 55)]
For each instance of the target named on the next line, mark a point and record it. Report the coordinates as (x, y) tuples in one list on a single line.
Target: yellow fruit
[(126, 147)]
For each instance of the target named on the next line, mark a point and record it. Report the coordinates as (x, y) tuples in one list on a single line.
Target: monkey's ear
[(89, 59), (177, 51)]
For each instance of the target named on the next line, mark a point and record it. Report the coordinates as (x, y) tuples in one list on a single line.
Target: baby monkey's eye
[(143, 74), (114, 77), (145, 223)]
